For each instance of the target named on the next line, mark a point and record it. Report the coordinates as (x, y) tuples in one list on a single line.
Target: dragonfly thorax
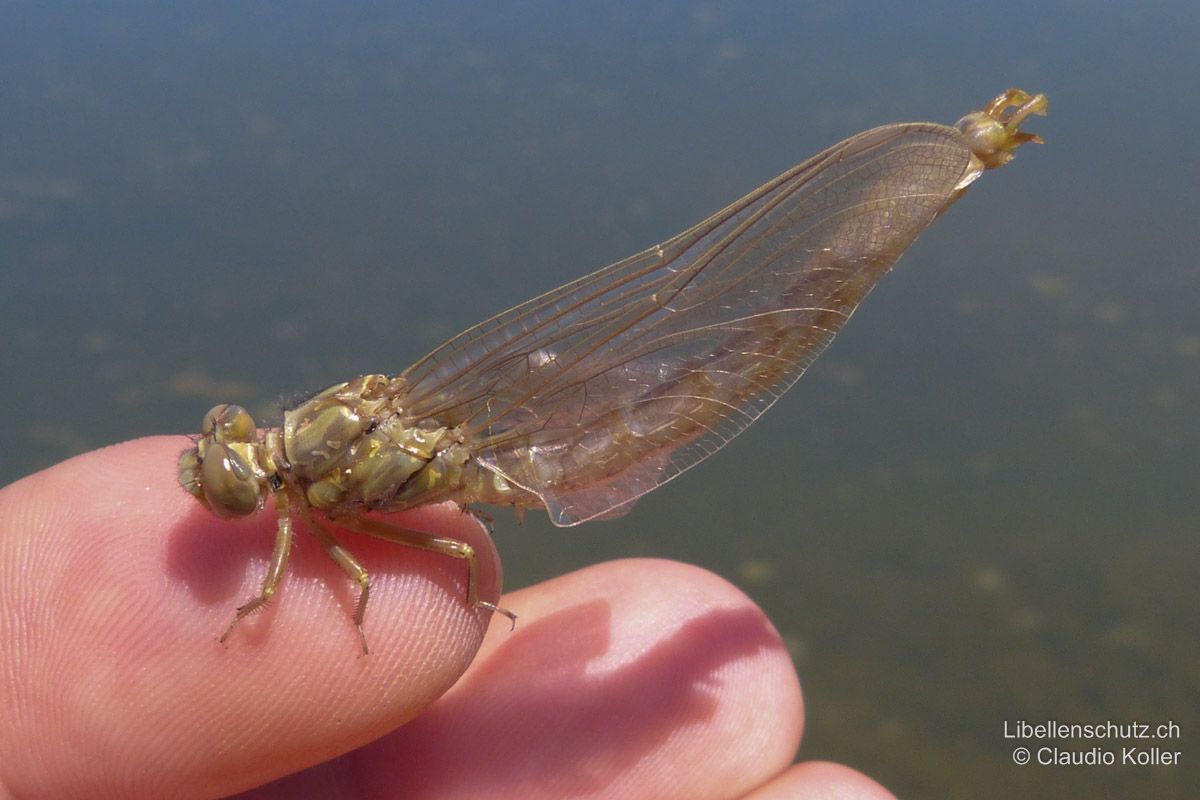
[(346, 449)]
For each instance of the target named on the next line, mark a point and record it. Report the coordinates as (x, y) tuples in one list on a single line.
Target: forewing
[(599, 391)]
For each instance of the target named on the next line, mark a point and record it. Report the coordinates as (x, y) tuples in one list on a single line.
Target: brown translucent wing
[(595, 393)]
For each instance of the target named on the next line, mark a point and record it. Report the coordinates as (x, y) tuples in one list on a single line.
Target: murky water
[(977, 507)]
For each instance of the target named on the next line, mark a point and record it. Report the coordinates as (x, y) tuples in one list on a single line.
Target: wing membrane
[(603, 389)]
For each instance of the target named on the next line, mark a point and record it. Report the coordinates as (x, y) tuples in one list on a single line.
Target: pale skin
[(627, 679)]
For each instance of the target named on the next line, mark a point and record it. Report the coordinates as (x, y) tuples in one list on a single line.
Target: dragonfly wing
[(593, 394)]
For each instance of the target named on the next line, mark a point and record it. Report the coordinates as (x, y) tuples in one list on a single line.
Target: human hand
[(628, 679)]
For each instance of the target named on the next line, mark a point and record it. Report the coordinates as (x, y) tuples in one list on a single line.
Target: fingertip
[(128, 582), (824, 780), (652, 673)]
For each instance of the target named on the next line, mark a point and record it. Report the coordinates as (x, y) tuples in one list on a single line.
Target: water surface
[(979, 505)]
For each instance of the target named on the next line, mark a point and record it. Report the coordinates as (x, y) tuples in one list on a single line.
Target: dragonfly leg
[(349, 564), (435, 544), (283, 546), (480, 516)]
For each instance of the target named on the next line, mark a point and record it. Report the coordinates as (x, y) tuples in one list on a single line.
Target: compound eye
[(228, 423), (230, 485), (189, 472)]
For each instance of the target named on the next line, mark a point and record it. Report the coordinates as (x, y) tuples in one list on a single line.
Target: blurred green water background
[(978, 507)]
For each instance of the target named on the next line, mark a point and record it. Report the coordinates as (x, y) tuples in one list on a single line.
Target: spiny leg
[(283, 545), (349, 564), (435, 544), (483, 518)]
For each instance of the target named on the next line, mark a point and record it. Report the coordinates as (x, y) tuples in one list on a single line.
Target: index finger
[(116, 585)]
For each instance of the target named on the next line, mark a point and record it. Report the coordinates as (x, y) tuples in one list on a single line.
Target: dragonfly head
[(223, 471)]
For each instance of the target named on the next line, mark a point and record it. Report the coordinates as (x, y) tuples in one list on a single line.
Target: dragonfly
[(587, 397)]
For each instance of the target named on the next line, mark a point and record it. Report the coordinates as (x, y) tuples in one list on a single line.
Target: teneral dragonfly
[(585, 398)]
